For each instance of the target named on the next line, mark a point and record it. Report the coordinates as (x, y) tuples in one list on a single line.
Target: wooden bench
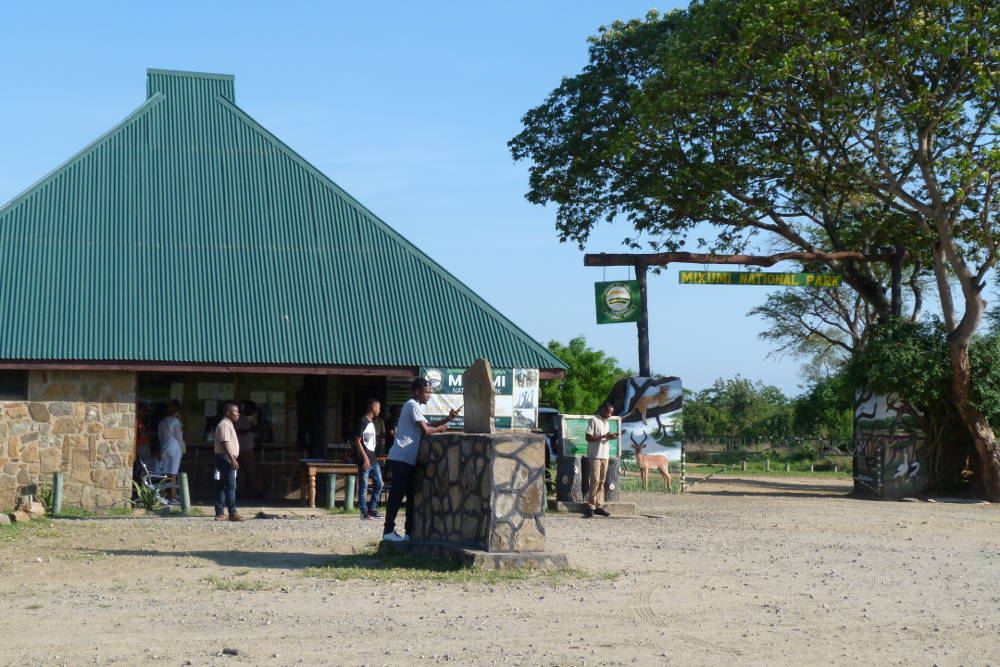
[(312, 467)]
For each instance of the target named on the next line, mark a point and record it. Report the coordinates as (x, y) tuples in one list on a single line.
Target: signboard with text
[(515, 404), (618, 301), (769, 279)]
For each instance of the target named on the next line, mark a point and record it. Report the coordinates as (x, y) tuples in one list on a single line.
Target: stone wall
[(79, 422), (481, 491)]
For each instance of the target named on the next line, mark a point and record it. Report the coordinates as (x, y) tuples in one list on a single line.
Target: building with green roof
[(189, 255)]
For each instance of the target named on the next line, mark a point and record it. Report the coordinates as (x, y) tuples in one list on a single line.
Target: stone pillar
[(481, 491)]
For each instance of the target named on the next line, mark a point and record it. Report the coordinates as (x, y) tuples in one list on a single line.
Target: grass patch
[(392, 567), (72, 511), (36, 528), (634, 485), (229, 584), (344, 510)]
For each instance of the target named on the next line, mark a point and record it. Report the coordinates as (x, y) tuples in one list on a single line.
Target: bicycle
[(150, 487)]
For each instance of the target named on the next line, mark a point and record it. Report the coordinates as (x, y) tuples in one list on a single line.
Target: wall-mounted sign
[(515, 405), (760, 278), (618, 301)]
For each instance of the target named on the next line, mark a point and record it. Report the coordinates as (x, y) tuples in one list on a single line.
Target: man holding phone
[(411, 428)]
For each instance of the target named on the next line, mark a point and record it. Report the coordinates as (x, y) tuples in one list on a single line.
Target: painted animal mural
[(650, 408)]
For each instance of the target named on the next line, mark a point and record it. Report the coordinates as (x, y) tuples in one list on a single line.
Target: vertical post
[(743, 465), (349, 481), (182, 481), (642, 326), (788, 466), (767, 465), (331, 491), (57, 493)]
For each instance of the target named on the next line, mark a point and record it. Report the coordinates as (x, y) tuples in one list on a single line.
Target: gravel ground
[(740, 571)]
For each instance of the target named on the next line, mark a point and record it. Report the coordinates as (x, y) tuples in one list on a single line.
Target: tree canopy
[(589, 379), (812, 125)]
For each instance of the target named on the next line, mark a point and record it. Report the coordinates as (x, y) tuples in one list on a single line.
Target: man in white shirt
[(366, 440), (411, 428), (598, 451)]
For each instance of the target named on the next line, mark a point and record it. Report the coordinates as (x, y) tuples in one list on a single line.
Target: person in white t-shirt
[(366, 440), (598, 452), (171, 435), (412, 426)]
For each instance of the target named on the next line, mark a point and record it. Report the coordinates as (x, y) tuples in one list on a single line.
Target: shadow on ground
[(258, 559), (740, 486)]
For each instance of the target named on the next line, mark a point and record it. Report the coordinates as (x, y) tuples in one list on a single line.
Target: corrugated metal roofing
[(189, 233)]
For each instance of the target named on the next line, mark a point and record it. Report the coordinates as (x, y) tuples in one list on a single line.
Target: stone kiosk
[(480, 496)]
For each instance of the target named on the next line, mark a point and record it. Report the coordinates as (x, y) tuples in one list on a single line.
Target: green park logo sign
[(618, 301), (760, 278)]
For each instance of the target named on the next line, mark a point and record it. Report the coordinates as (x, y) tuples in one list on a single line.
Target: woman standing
[(171, 447)]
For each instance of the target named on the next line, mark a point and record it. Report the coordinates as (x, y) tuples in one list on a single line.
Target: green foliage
[(588, 381), (908, 359), (737, 407), (148, 498), (43, 494), (911, 361), (826, 409)]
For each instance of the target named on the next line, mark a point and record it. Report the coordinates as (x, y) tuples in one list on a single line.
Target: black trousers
[(401, 475)]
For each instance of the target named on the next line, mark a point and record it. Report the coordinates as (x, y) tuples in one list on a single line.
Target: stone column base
[(469, 558)]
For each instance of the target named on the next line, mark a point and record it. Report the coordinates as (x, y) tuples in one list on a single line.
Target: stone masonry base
[(475, 558)]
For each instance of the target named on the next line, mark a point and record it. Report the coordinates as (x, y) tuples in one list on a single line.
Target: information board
[(574, 435)]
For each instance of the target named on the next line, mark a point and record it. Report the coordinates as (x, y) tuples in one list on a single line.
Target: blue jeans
[(226, 485), (374, 471)]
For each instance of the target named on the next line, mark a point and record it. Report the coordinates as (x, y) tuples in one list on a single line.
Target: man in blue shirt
[(412, 426)]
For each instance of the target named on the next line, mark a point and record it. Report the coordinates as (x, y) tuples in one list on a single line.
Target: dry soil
[(740, 571)]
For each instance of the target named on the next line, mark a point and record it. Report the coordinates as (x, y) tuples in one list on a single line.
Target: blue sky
[(407, 106)]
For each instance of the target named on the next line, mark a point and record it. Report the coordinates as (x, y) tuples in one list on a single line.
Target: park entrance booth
[(188, 254)]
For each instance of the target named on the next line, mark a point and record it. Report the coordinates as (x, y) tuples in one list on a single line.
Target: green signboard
[(760, 278), (618, 301), (574, 435)]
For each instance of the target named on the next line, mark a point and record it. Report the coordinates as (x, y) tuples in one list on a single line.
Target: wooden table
[(312, 467)]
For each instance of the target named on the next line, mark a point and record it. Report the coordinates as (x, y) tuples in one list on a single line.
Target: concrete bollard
[(812, 468), (836, 468), (788, 467), (182, 482), (331, 491), (743, 466), (349, 482), (57, 493), (767, 465)]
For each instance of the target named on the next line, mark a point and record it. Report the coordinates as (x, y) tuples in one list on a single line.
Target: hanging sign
[(618, 301), (760, 278)]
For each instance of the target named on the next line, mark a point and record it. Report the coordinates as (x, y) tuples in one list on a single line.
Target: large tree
[(813, 125)]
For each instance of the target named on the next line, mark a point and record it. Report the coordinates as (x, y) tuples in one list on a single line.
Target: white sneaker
[(393, 537)]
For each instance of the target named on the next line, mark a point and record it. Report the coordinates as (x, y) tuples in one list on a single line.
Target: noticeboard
[(574, 435)]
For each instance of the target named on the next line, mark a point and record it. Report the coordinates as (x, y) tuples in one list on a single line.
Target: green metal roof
[(189, 233)]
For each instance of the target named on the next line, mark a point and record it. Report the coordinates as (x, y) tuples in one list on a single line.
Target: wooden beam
[(665, 258), (173, 367)]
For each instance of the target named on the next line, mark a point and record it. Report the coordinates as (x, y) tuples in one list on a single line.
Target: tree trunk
[(982, 435)]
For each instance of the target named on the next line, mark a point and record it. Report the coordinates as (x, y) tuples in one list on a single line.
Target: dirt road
[(740, 571)]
